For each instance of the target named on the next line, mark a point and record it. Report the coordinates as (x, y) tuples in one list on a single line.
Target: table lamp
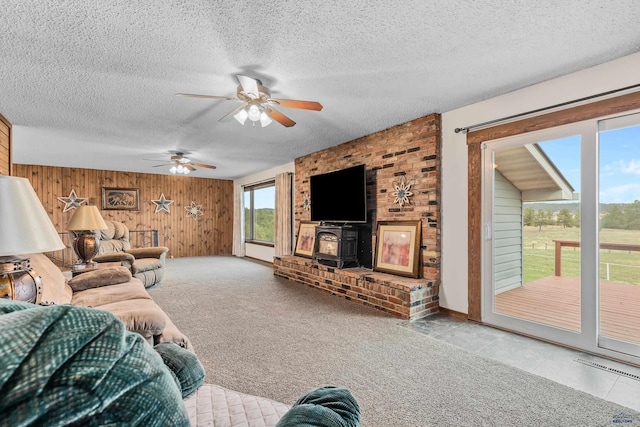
[(84, 222), (25, 228)]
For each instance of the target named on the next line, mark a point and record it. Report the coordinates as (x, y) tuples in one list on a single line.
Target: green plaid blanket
[(67, 365)]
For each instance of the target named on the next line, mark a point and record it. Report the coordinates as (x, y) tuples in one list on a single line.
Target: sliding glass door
[(619, 233), (532, 209), (554, 266)]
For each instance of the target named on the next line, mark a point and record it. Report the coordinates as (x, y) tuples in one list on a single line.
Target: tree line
[(541, 217), (621, 217), (263, 224)]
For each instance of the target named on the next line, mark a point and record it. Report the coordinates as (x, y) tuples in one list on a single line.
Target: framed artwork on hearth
[(398, 247), (124, 199), (306, 239)]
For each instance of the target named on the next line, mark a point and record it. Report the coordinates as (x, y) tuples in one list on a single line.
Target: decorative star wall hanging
[(72, 201), (402, 193), (162, 204), (193, 210)]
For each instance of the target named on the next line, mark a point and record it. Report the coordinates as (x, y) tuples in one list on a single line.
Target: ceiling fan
[(180, 164), (257, 104)]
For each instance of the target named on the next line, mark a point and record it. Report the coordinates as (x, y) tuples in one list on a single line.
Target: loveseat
[(146, 264)]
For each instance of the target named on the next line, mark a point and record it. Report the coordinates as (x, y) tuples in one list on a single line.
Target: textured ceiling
[(92, 83)]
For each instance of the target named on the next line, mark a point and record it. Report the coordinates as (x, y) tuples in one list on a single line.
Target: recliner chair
[(146, 264)]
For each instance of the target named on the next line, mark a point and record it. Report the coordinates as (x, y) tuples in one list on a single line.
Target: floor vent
[(608, 369)]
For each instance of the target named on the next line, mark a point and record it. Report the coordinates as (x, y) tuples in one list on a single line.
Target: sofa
[(111, 289), (146, 264), (99, 351)]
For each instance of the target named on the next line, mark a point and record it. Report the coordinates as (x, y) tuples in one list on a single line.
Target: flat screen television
[(339, 196)]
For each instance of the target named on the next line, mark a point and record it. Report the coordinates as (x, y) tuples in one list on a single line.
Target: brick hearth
[(403, 297)]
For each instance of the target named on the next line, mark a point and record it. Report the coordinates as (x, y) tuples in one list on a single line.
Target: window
[(259, 213)]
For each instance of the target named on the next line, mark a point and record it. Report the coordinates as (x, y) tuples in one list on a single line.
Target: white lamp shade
[(265, 120), (86, 217), (25, 226), (241, 116)]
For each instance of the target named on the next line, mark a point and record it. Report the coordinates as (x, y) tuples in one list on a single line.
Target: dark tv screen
[(339, 196)]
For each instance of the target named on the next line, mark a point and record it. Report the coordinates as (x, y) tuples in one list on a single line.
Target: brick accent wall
[(410, 151)]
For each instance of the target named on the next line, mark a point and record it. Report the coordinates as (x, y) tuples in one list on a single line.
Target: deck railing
[(575, 244), (67, 257)]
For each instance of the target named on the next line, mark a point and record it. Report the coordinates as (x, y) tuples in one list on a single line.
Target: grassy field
[(539, 254)]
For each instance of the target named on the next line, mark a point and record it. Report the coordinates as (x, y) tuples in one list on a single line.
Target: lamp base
[(86, 246), (18, 281), (84, 266)]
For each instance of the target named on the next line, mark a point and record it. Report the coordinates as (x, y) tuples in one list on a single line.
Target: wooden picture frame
[(398, 247), (306, 239), (122, 199)]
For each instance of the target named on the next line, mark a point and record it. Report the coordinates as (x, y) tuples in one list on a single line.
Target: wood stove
[(336, 244)]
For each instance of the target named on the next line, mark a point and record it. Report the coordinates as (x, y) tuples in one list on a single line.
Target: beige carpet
[(263, 335)]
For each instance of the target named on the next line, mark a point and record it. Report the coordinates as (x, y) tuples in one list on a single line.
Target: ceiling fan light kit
[(253, 113), (179, 169), (179, 164), (258, 104)]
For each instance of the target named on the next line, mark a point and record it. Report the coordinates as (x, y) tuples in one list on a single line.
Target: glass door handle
[(487, 231)]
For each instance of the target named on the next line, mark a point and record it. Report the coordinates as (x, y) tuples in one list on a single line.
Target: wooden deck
[(555, 300)]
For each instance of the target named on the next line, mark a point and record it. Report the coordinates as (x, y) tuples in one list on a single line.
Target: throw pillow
[(100, 277), (183, 364), (323, 407)]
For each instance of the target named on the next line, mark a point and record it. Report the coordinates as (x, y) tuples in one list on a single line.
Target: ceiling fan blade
[(249, 86), (200, 165), (295, 103), (280, 118), (194, 95), (163, 164), (189, 166), (230, 115)]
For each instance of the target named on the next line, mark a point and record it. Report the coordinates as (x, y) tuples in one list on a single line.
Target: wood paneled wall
[(5, 146), (211, 234)]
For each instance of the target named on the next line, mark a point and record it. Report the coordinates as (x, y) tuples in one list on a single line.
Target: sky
[(263, 198), (619, 163)]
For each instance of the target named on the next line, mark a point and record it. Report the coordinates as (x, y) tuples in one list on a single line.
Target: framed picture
[(398, 247), (306, 239), (125, 199)]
